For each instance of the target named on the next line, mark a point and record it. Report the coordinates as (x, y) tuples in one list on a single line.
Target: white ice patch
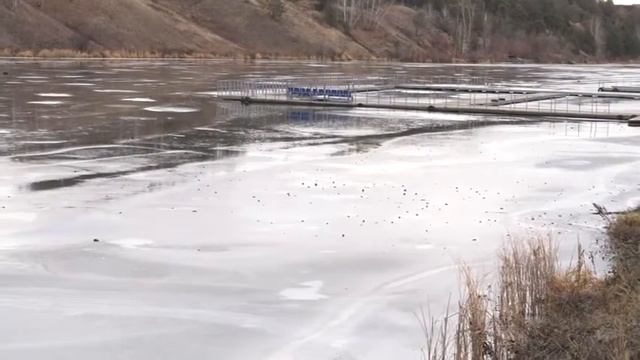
[(115, 91), (424, 246), (137, 118), (577, 163), (132, 243), (19, 216), (633, 202), (210, 129), (51, 102), (32, 77), (6, 191), (122, 106), (171, 109), (329, 251), (8, 245), (54, 95), (309, 291), (79, 84), (404, 114), (4, 132), (139, 100)]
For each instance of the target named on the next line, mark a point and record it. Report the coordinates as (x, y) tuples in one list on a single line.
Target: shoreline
[(68, 54), (307, 60)]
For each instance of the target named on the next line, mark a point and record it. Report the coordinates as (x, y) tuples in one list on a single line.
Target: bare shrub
[(536, 310)]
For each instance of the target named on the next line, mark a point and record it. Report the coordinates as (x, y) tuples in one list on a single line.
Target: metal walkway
[(451, 98)]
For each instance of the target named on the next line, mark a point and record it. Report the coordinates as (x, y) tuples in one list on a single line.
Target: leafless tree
[(356, 11), (466, 15)]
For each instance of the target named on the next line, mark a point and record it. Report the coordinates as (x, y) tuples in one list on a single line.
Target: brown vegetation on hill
[(408, 30), (167, 28)]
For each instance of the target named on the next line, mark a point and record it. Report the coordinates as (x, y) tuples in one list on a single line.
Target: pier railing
[(474, 95), (261, 88)]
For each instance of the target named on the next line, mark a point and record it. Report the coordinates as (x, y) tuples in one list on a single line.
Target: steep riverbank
[(311, 29)]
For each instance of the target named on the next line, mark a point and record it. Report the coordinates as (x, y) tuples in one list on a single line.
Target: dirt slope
[(245, 28), (250, 26), (89, 25), (219, 27)]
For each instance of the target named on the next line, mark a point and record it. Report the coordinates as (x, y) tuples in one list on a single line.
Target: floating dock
[(441, 109), (534, 98), (521, 90), (625, 89), (445, 98)]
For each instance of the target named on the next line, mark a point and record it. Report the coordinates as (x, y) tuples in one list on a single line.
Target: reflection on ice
[(210, 129)]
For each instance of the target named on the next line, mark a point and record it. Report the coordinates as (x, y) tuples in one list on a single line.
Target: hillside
[(415, 30)]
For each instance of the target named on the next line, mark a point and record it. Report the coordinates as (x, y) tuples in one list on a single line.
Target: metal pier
[(474, 97)]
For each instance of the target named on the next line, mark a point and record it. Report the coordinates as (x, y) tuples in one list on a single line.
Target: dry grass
[(107, 54), (624, 248), (537, 310), (145, 54)]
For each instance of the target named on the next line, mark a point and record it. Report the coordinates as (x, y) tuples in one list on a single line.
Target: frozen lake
[(142, 219)]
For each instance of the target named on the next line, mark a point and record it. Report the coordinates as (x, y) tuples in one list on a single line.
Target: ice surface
[(223, 231)]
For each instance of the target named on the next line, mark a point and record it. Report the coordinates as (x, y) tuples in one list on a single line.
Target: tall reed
[(535, 309)]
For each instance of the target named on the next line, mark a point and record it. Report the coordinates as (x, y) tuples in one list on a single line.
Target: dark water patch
[(357, 148), (168, 163), (72, 181), (85, 153), (368, 140)]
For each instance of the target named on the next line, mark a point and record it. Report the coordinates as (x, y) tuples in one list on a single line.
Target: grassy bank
[(145, 54), (56, 54), (538, 310)]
